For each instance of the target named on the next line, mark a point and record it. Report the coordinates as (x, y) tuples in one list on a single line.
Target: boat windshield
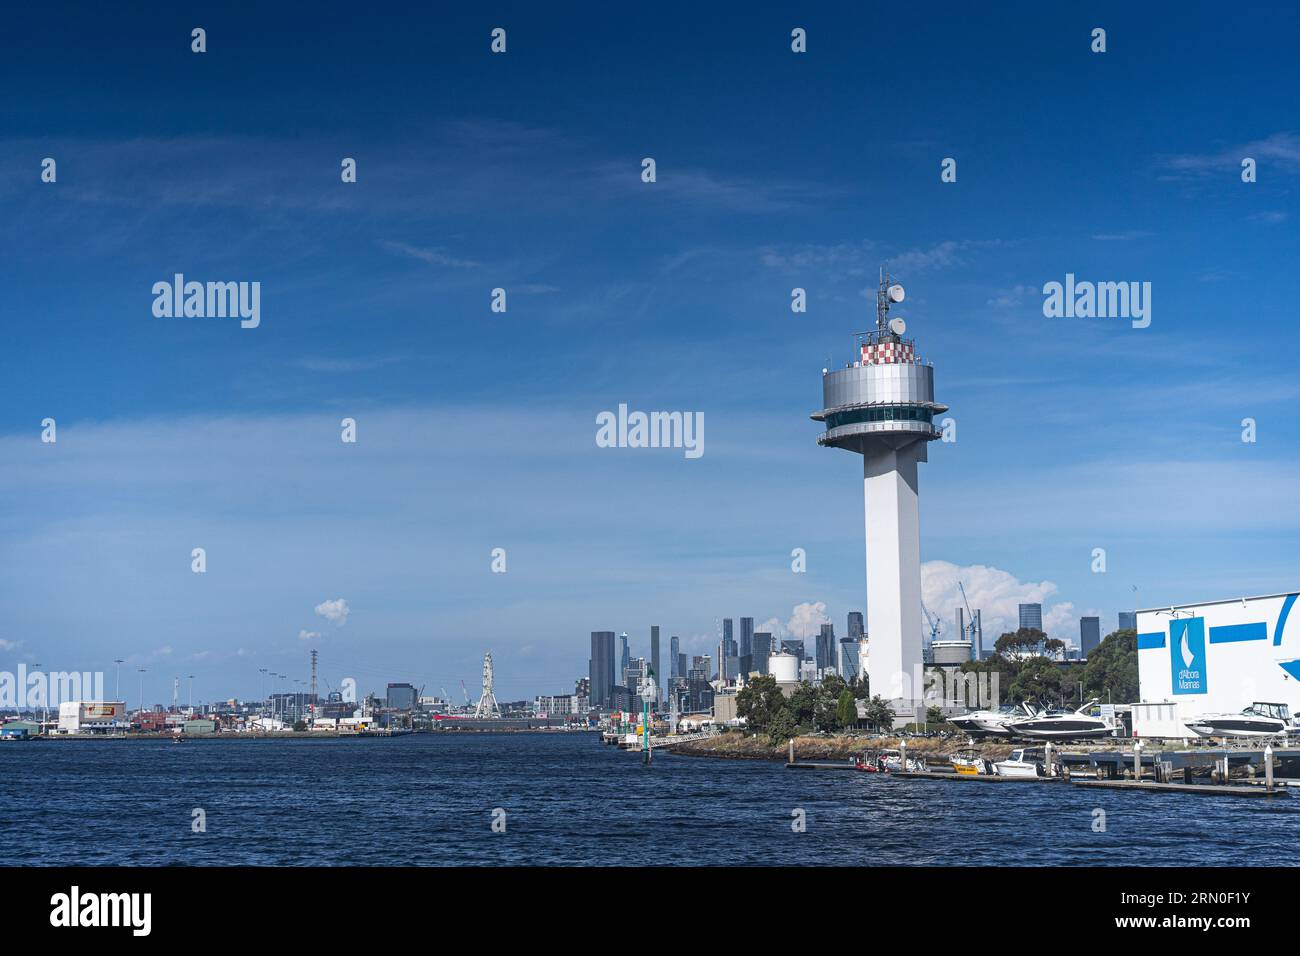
[(1276, 711)]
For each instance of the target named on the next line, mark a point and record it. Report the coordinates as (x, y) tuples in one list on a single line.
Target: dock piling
[(1268, 766)]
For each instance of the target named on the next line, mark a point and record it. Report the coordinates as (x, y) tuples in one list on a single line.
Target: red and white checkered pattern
[(888, 353)]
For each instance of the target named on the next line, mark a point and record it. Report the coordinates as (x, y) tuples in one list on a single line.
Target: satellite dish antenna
[(897, 326), (896, 293)]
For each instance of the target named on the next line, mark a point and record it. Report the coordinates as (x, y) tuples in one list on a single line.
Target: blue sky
[(522, 171)]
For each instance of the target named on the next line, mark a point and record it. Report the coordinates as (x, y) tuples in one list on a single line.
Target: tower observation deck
[(882, 407)]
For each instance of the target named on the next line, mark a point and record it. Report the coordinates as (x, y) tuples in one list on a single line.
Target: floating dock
[(819, 765), (1209, 789), (986, 777)]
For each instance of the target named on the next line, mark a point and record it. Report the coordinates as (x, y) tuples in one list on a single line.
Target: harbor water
[(563, 799)]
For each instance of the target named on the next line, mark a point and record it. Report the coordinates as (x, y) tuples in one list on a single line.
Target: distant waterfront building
[(634, 675), (1128, 620), (826, 647), (746, 637), (762, 651), (856, 628), (401, 697), (625, 657), (699, 687), (561, 705), (1031, 615), (1089, 634), (794, 647), (601, 668), (729, 647), (675, 656), (683, 666), (622, 699)]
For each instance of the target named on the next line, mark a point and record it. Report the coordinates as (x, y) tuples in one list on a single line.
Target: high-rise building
[(856, 629), (701, 691), (401, 697), (1128, 620), (826, 652), (728, 640), (848, 663), (794, 647), (1089, 634), (601, 668), (881, 406), (674, 656), (654, 662), (762, 650), (683, 666), (625, 656), (746, 636), (634, 675), (1031, 615)]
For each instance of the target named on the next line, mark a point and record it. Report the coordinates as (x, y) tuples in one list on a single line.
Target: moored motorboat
[(969, 763), (1260, 719), (1062, 725), (991, 723), (1026, 762)]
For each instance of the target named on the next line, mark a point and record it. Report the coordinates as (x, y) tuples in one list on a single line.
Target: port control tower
[(882, 407)]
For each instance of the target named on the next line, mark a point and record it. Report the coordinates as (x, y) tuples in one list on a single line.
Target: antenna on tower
[(314, 697)]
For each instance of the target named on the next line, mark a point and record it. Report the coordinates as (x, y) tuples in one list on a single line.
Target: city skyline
[(1073, 434)]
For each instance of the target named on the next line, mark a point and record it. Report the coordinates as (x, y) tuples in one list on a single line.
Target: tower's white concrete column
[(893, 571)]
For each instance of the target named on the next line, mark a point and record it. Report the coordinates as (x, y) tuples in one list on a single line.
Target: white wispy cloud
[(431, 254), (997, 595), (1279, 150), (335, 611)]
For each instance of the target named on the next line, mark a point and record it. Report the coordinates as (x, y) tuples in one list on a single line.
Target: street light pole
[(117, 678)]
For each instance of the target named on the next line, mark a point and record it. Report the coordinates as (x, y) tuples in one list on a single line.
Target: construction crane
[(465, 692), (934, 623), (972, 627)]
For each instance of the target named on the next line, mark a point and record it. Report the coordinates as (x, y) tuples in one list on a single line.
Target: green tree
[(846, 710), (781, 727), (1036, 679), (934, 715), (803, 705), (299, 726), (1026, 640), (759, 702), (879, 713), (1112, 669)]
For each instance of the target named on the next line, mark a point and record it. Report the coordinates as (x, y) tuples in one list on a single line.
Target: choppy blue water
[(429, 800)]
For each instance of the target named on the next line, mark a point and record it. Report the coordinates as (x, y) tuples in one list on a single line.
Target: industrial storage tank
[(784, 667), (950, 653)]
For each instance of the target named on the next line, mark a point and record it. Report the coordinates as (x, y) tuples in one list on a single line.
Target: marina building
[(1217, 657), (92, 716)]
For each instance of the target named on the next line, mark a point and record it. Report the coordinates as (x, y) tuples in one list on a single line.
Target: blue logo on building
[(1187, 655)]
